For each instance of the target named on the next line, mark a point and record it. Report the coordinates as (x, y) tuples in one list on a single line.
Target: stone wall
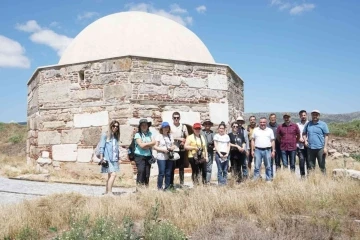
[(69, 106)]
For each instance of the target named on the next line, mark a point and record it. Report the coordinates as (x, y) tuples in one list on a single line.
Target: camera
[(104, 163), (171, 154), (211, 145), (198, 153), (181, 146)]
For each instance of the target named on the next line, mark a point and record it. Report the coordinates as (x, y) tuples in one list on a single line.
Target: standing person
[(316, 135), (222, 149), (164, 145), (179, 132), (250, 129), (301, 149), (144, 141), (278, 157), (209, 139), (109, 154), (196, 145), (288, 135), (262, 148), (237, 151), (240, 121)]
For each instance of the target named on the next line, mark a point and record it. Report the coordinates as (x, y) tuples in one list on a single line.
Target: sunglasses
[(115, 126), (176, 117), (235, 126)]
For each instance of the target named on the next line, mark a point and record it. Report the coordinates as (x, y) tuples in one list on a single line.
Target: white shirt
[(301, 127), (178, 132), (222, 142), (164, 142), (263, 137)]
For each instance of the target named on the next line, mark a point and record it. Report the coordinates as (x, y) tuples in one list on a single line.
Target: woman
[(144, 141), (237, 152), (222, 149), (196, 145), (109, 154), (164, 144)]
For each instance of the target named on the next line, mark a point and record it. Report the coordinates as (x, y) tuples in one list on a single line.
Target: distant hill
[(329, 118)]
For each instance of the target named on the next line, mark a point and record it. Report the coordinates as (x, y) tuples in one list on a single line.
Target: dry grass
[(320, 207)]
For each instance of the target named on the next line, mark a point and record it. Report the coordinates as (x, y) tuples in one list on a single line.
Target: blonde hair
[(109, 133)]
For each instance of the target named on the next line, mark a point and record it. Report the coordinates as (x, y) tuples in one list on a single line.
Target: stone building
[(125, 66)]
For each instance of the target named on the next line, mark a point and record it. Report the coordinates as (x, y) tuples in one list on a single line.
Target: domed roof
[(137, 34)]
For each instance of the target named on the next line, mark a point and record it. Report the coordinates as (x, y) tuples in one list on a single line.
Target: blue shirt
[(109, 148), (316, 134), (145, 138)]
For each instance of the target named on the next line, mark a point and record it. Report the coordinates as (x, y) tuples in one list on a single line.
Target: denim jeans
[(303, 159), (289, 157), (165, 168), (318, 154), (209, 166), (143, 169), (262, 155), (222, 169)]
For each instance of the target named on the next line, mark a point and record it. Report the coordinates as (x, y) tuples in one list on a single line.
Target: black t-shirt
[(237, 139)]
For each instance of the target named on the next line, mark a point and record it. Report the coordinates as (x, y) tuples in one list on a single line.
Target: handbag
[(152, 159), (176, 156)]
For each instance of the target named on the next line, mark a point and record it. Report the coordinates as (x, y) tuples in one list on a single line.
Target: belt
[(268, 148)]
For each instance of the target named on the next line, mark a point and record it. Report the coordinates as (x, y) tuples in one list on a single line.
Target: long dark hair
[(110, 132)]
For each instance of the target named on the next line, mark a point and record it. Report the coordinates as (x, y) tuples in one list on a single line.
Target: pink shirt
[(287, 135)]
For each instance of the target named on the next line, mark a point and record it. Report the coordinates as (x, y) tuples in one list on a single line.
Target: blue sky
[(292, 55)]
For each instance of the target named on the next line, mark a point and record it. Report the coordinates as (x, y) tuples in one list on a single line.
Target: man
[(288, 135), (250, 129), (316, 135), (273, 125), (262, 148), (301, 149), (209, 139), (240, 121), (179, 133)]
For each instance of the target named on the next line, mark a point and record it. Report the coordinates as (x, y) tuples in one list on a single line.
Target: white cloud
[(44, 36), (298, 9), (201, 9), (12, 54), (293, 7), (176, 13), (87, 15)]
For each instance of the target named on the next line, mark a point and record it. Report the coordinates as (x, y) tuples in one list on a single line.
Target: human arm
[(102, 146), (278, 133), (187, 145), (273, 148), (326, 143), (144, 145), (252, 147), (297, 133), (157, 145)]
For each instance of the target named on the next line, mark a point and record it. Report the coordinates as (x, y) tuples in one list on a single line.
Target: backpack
[(131, 150)]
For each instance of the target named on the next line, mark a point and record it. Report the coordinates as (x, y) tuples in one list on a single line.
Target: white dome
[(137, 34)]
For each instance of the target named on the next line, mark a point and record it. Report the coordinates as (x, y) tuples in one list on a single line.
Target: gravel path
[(14, 191)]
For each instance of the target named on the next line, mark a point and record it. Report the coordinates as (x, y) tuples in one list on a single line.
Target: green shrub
[(355, 156), (2, 126), (25, 234), (344, 129), (16, 138)]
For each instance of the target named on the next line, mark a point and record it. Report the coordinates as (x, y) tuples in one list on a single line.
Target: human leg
[(267, 160), (300, 153), (168, 168), (257, 161), (321, 160), (284, 159), (209, 166), (161, 166), (311, 153), (292, 157), (220, 170), (140, 166), (147, 171)]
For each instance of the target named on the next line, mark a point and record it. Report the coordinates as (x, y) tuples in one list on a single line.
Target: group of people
[(234, 149)]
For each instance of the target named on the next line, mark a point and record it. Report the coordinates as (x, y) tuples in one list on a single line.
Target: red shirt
[(288, 136)]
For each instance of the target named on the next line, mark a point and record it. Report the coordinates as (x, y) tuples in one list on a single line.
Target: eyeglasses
[(115, 126), (235, 126), (176, 117)]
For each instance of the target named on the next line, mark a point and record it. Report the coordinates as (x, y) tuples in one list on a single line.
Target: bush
[(355, 156), (345, 129), (2, 126), (16, 138), (26, 234)]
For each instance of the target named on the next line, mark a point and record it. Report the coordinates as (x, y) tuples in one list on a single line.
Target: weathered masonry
[(70, 105)]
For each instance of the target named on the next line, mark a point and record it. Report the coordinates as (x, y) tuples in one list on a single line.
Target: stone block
[(155, 79), (75, 86), (91, 136), (45, 154), (91, 119), (48, 137), (171, 80), (54, 125), (177, 108), (71, 136), (185, 93), (195, 82), (186, 117), (89, 94), (136, 77), (347, 173), (43, 161), (85, 155), (183, 68), (103, 79), (118, 91), (65, 152), (218, 82), (54, 92), (169, 66), (116, 65), (208, 93), (219, 112), (153, 89), (126, 135), (135, 121)]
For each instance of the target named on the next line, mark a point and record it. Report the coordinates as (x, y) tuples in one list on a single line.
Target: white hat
[(315, 111), (240, 119)]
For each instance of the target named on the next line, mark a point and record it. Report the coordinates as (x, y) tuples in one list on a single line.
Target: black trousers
[(181, 165), (197, 171), (143, 169), (238, 163), (303, 159)]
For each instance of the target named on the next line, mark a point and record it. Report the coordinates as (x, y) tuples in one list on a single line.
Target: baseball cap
[(165, 124), (197, 126), (286, 114), (315, 111), (240, 119)]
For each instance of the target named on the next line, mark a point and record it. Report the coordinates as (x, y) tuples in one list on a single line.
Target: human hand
[(272, 154), (253, 153), (325, 151)]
